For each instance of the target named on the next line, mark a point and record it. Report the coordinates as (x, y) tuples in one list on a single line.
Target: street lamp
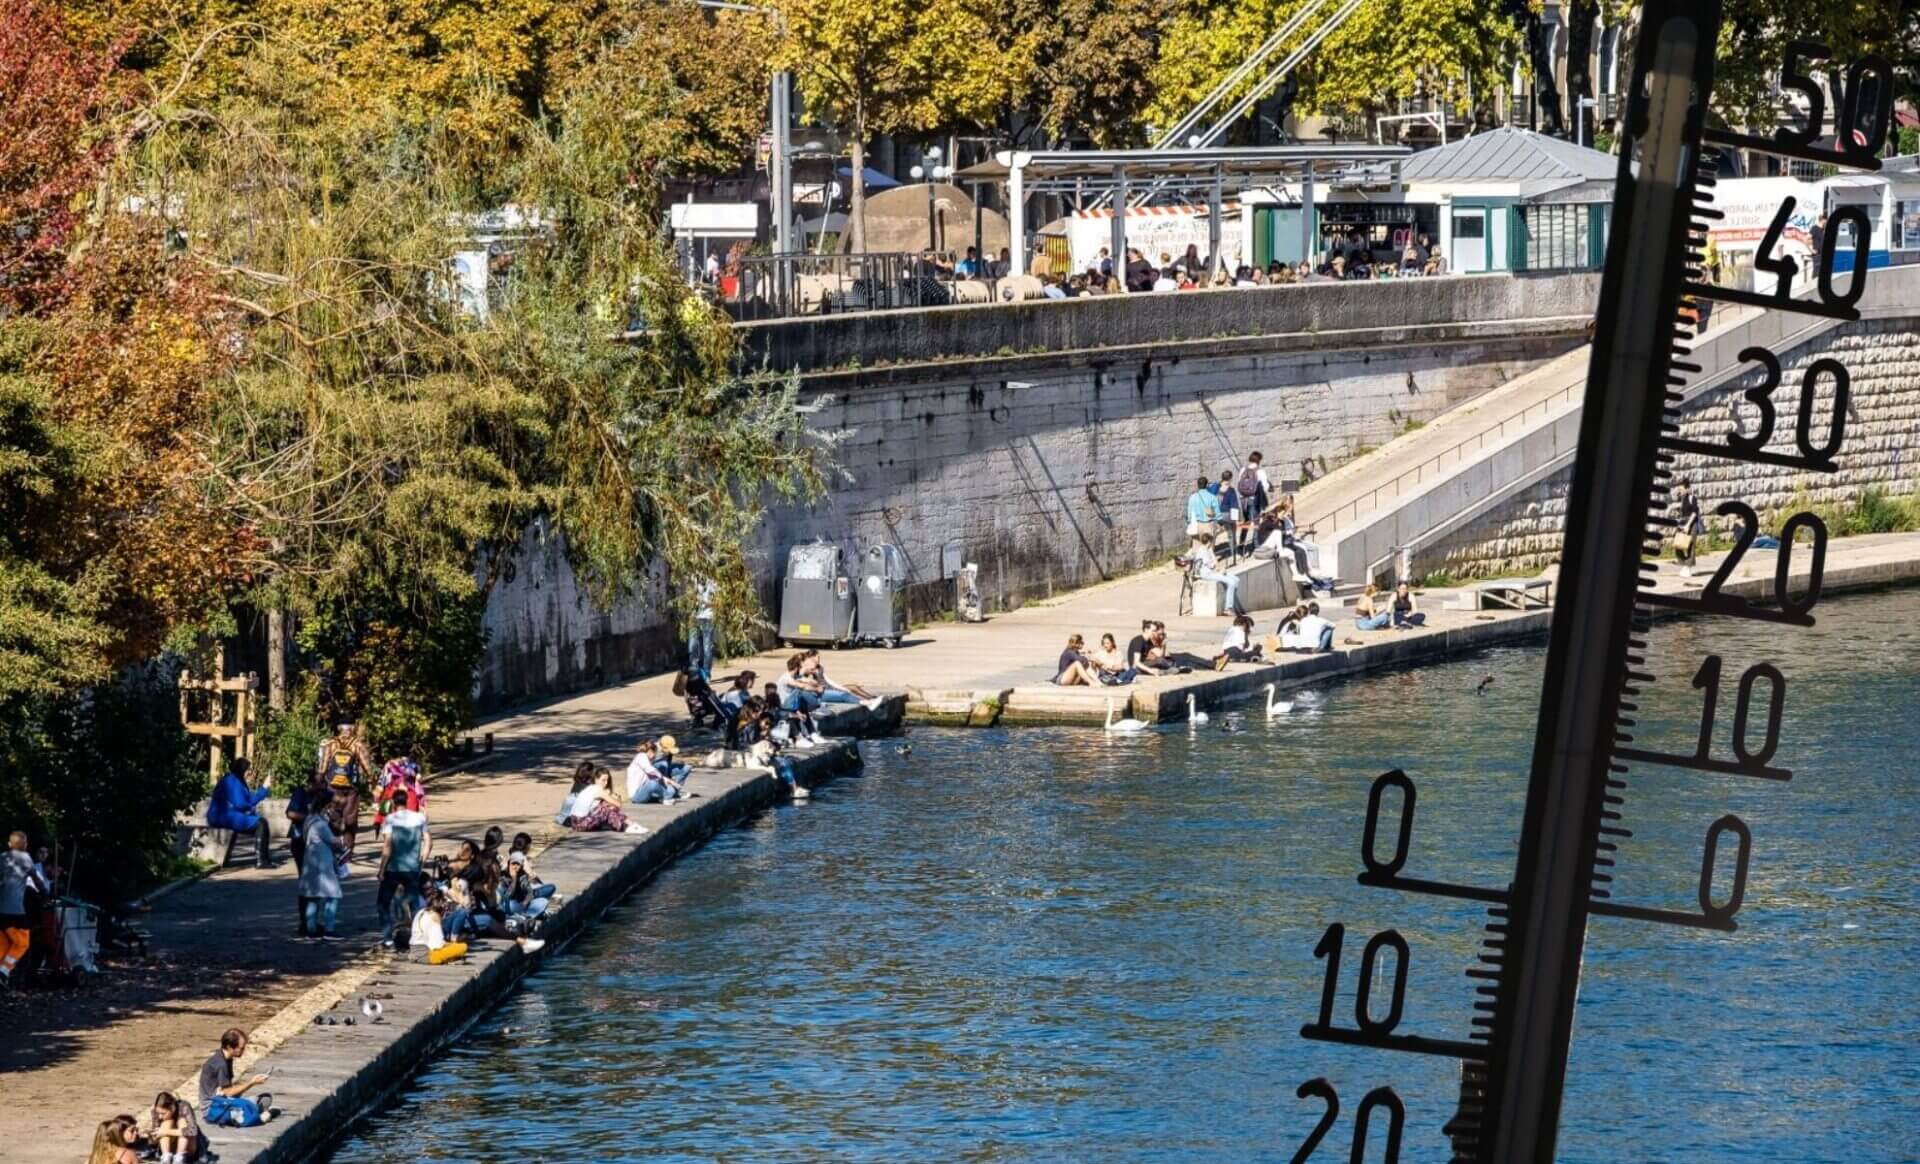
[(1580, 118), (932, 173)]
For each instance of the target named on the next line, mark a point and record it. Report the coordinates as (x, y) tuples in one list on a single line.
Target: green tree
[(1073, 68), (1754, 35), (1386, 50), (391, 442), (886, 66)]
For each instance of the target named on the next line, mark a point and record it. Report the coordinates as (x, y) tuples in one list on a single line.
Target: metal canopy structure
[(1214, 171)]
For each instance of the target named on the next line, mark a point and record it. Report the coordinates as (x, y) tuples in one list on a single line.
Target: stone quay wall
[(1882, 356), (1065, 460)]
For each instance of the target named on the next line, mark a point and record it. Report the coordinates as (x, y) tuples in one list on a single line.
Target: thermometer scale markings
[(1513, 1062)]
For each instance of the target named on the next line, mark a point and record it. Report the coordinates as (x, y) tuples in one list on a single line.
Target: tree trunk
[(1581, 15), (1546, 89), (277, 658), (857, 224)]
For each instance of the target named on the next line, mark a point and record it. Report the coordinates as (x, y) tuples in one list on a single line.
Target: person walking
[(320, 872), (1687, 531), (17, 878), (347, 765), (235, 807), (405, 844), (700, 634)]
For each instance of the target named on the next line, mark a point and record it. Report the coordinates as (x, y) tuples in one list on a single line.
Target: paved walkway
[(222, 957), (222, 949)]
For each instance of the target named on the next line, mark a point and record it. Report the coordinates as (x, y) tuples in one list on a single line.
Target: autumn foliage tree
[(110, 349)]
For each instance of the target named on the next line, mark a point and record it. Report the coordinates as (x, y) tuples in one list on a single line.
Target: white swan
[(1276, 708), (1123, 725), (1194, 717)]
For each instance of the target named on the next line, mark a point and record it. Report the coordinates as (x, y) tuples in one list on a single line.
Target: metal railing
[(777, 286), (1417, 475)]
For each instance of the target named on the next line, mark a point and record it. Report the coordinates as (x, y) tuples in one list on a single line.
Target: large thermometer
[(1514, 1059)]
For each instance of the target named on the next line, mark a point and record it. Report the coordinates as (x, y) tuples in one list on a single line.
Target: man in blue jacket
[(234, 803)]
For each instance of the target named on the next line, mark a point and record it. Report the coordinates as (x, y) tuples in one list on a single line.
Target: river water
[(1050, 945)]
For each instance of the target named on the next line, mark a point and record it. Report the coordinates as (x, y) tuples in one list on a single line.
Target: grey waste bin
[(816, 598), (883, 596), (966, 594)]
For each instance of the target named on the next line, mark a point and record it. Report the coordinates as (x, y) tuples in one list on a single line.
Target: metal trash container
[(816, 598), (883, 596), (967, 606)]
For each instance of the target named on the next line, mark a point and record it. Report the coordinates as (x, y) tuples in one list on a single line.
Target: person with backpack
[(1252, 486), (346, 764), (226, 1102)]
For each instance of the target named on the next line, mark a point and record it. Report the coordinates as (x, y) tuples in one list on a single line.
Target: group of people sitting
[(1146, 654), (780, 712), (480, 892), (172, 1132), (1235, 514)]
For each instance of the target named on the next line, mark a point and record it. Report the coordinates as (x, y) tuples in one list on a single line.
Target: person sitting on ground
[(1165, 280), (222, 1100), (1220, 277), (1161, 654), (582, 776), (795, 726), (172, 1129), (649, 779), (1369, 612), (1406, 612), (115, 1141), (1280, 274), (738, 694), (1238, 647), (1206, 568), (596, 808), (1075, 669), (527, 894), (1243, 277), (235, 807), (1288, 633), (17, 880), (429, 940), (800, 696), (1203, 508), (814, 667), (1140, 652), (321, 862), (1316, 631), (1111, 664)]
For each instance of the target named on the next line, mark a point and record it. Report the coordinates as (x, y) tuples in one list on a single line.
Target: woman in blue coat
[(234, 806)]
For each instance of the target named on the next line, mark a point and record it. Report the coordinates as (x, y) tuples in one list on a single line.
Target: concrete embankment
[(1852, 564), (330, 1074)]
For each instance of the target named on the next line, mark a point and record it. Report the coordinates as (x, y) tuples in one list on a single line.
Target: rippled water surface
[(1048, 945)]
